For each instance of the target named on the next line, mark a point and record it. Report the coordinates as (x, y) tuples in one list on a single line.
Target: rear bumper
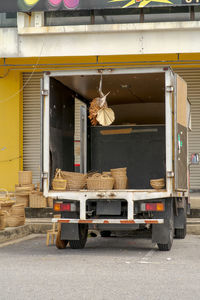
[(109, 221)]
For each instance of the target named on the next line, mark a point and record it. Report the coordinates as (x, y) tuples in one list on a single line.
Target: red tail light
[(65, 207), (152, 206)]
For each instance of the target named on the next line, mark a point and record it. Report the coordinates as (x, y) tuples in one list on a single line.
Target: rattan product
[(157, 183), (22, 198), (25, 177), (16, 216), (24, 188), (75, 181), (107, 173), (119, 172), (103, 182), (37, 200), (18, 210), (5, 201), (2, 220), (59, 183), (15, 221), (120, 182), (50, 202)]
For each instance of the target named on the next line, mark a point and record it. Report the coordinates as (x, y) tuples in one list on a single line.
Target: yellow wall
[(10, 126)]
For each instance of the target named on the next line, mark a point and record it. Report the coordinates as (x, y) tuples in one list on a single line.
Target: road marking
[(26, 238)]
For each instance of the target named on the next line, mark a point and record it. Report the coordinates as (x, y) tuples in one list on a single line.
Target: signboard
[(51, 5)]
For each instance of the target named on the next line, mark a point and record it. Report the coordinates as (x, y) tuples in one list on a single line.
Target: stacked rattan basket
[(11, 214), (157, 184), (24, 187)]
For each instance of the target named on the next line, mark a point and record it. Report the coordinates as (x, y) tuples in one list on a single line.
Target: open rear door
[(61, 127), (180, 134)]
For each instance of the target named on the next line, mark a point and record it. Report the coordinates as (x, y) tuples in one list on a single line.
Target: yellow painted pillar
[(10, 129)]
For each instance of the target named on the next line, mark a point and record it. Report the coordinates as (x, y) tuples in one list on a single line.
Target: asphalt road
[(108, 268)]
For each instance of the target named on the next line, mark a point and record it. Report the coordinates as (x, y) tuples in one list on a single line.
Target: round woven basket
[(120, 182), (157, 184), (100, 183), (75, 181)]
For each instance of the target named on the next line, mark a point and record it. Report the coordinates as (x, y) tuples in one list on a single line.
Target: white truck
[(149, 137)]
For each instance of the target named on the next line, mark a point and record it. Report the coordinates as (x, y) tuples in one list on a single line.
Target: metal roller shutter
[(31, 124), (192, 77)]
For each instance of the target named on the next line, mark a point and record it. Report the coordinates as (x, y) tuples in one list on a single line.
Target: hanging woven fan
[(97, 107), (105, 116)]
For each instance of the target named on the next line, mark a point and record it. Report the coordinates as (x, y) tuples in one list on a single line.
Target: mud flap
[(69, 232), (180, 220), (161, 232)]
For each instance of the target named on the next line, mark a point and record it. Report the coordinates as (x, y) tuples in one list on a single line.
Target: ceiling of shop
[(126, 88)]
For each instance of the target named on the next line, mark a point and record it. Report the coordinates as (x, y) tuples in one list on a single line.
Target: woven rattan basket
[(50, 202), (24, 188), (15, 221), (22, 198), (5, 201), (18, 210), (2, 220), (157, 184), (25, 177), (118, 172), (59, 183), (120, 182), (75, 181), (103, 182), (37, 200)]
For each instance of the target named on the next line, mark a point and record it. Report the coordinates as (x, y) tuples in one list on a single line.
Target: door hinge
[(45, 93), (45, 175), (169, 89)]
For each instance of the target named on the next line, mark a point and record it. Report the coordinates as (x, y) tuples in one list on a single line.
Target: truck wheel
[(180, 233), (106, 233), (167, 247), (83, 233), (60, 244)]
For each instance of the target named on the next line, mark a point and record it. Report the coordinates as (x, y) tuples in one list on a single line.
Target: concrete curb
[(12, 233)]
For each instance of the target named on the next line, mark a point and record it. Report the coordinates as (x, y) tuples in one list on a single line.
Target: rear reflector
[(152, 206)]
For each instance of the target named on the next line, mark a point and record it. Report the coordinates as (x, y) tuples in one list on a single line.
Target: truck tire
[(105, 233), (60, 244), (180, 233), (83, 233), (168, 245)]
